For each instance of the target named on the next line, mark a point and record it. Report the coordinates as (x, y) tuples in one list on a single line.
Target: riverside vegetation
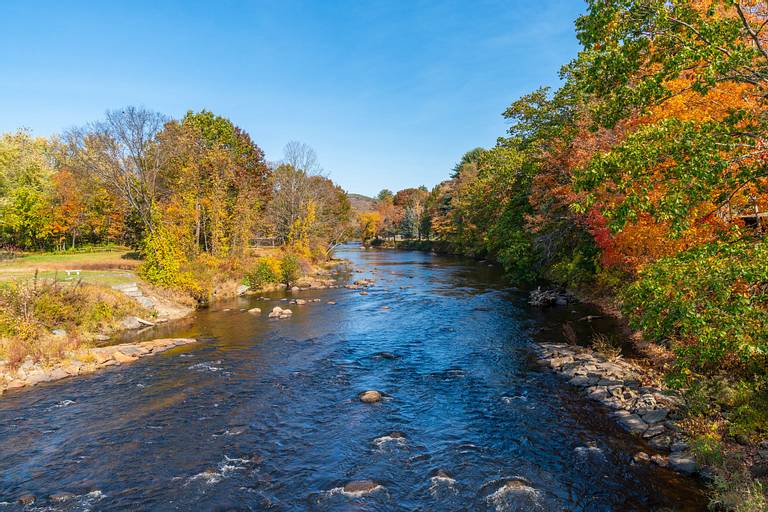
[(181, 204), (641, 183)]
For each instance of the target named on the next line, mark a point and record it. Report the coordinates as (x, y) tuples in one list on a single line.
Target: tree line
[(643, 176), (177, 190)]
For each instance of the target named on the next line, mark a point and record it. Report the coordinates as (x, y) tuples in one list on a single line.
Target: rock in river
[(26, 499), (278, 312), (360, 487), (370, 396)]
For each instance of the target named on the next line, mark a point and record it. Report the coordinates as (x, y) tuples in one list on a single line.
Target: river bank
[(83, 362), (85, 351)]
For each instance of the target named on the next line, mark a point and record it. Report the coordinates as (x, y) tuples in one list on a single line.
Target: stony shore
[(83, 362), (644, 411)]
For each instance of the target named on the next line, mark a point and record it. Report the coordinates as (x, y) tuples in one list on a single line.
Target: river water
[(263, 414)]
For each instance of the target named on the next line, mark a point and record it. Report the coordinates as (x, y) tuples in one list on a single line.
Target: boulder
[(661, 442), (683, 462), (654, 430), (655, 416), (759, 470), (278, 312), (130, 322), (255, 311), (60, 497), (132, 350), (59, 333), (15, 384), (37, 376), (26, 499), (641, 457), (242, 289), (58, 374), (633, 424), (370, 396), (121, 357), (361, 487), (580, 380)]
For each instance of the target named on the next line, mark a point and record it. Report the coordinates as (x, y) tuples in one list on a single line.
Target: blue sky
[(389, 93)]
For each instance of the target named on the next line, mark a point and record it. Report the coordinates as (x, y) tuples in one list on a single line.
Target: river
[(263, 414)]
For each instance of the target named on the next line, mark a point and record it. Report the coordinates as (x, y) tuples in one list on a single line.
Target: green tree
[(26, 190)]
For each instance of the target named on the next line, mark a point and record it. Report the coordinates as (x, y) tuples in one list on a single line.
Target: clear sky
[(389, 93)]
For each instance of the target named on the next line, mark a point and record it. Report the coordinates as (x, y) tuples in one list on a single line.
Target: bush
[(290, 269), (268, 270), (29, 311), (163, 264), (710, 303)]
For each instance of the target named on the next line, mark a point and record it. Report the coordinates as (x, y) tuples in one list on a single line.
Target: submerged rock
[(386, 355)]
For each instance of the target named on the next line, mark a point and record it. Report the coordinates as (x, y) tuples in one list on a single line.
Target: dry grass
[(31, 310), (605, 346)]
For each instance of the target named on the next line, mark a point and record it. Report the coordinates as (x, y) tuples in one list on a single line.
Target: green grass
[(108, 268)]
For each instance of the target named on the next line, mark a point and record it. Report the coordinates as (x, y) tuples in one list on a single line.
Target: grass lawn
[(101, 267)]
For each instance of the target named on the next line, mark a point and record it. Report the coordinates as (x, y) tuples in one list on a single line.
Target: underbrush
[(204, 276), (709, 304), (271, 270), (44, 319)]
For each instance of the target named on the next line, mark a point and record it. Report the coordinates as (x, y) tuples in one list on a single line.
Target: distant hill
[(361, 203)]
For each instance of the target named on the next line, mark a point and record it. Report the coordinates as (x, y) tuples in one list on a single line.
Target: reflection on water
[(263, 414)]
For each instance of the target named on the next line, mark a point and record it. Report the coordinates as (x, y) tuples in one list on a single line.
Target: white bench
[(71, 274)]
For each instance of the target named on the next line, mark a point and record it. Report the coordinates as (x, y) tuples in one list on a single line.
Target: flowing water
[(263, 414)]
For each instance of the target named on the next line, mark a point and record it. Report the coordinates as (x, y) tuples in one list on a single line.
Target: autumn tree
[(25, 190), (122, 151)]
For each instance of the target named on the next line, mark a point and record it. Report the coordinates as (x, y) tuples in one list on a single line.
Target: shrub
[(29, 311), (290, 269), (163, 264), (710, 303), (268, 270), (606, 346)]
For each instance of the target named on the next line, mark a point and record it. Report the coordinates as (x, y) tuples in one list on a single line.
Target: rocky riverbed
[(83, 362), (647, 412)]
